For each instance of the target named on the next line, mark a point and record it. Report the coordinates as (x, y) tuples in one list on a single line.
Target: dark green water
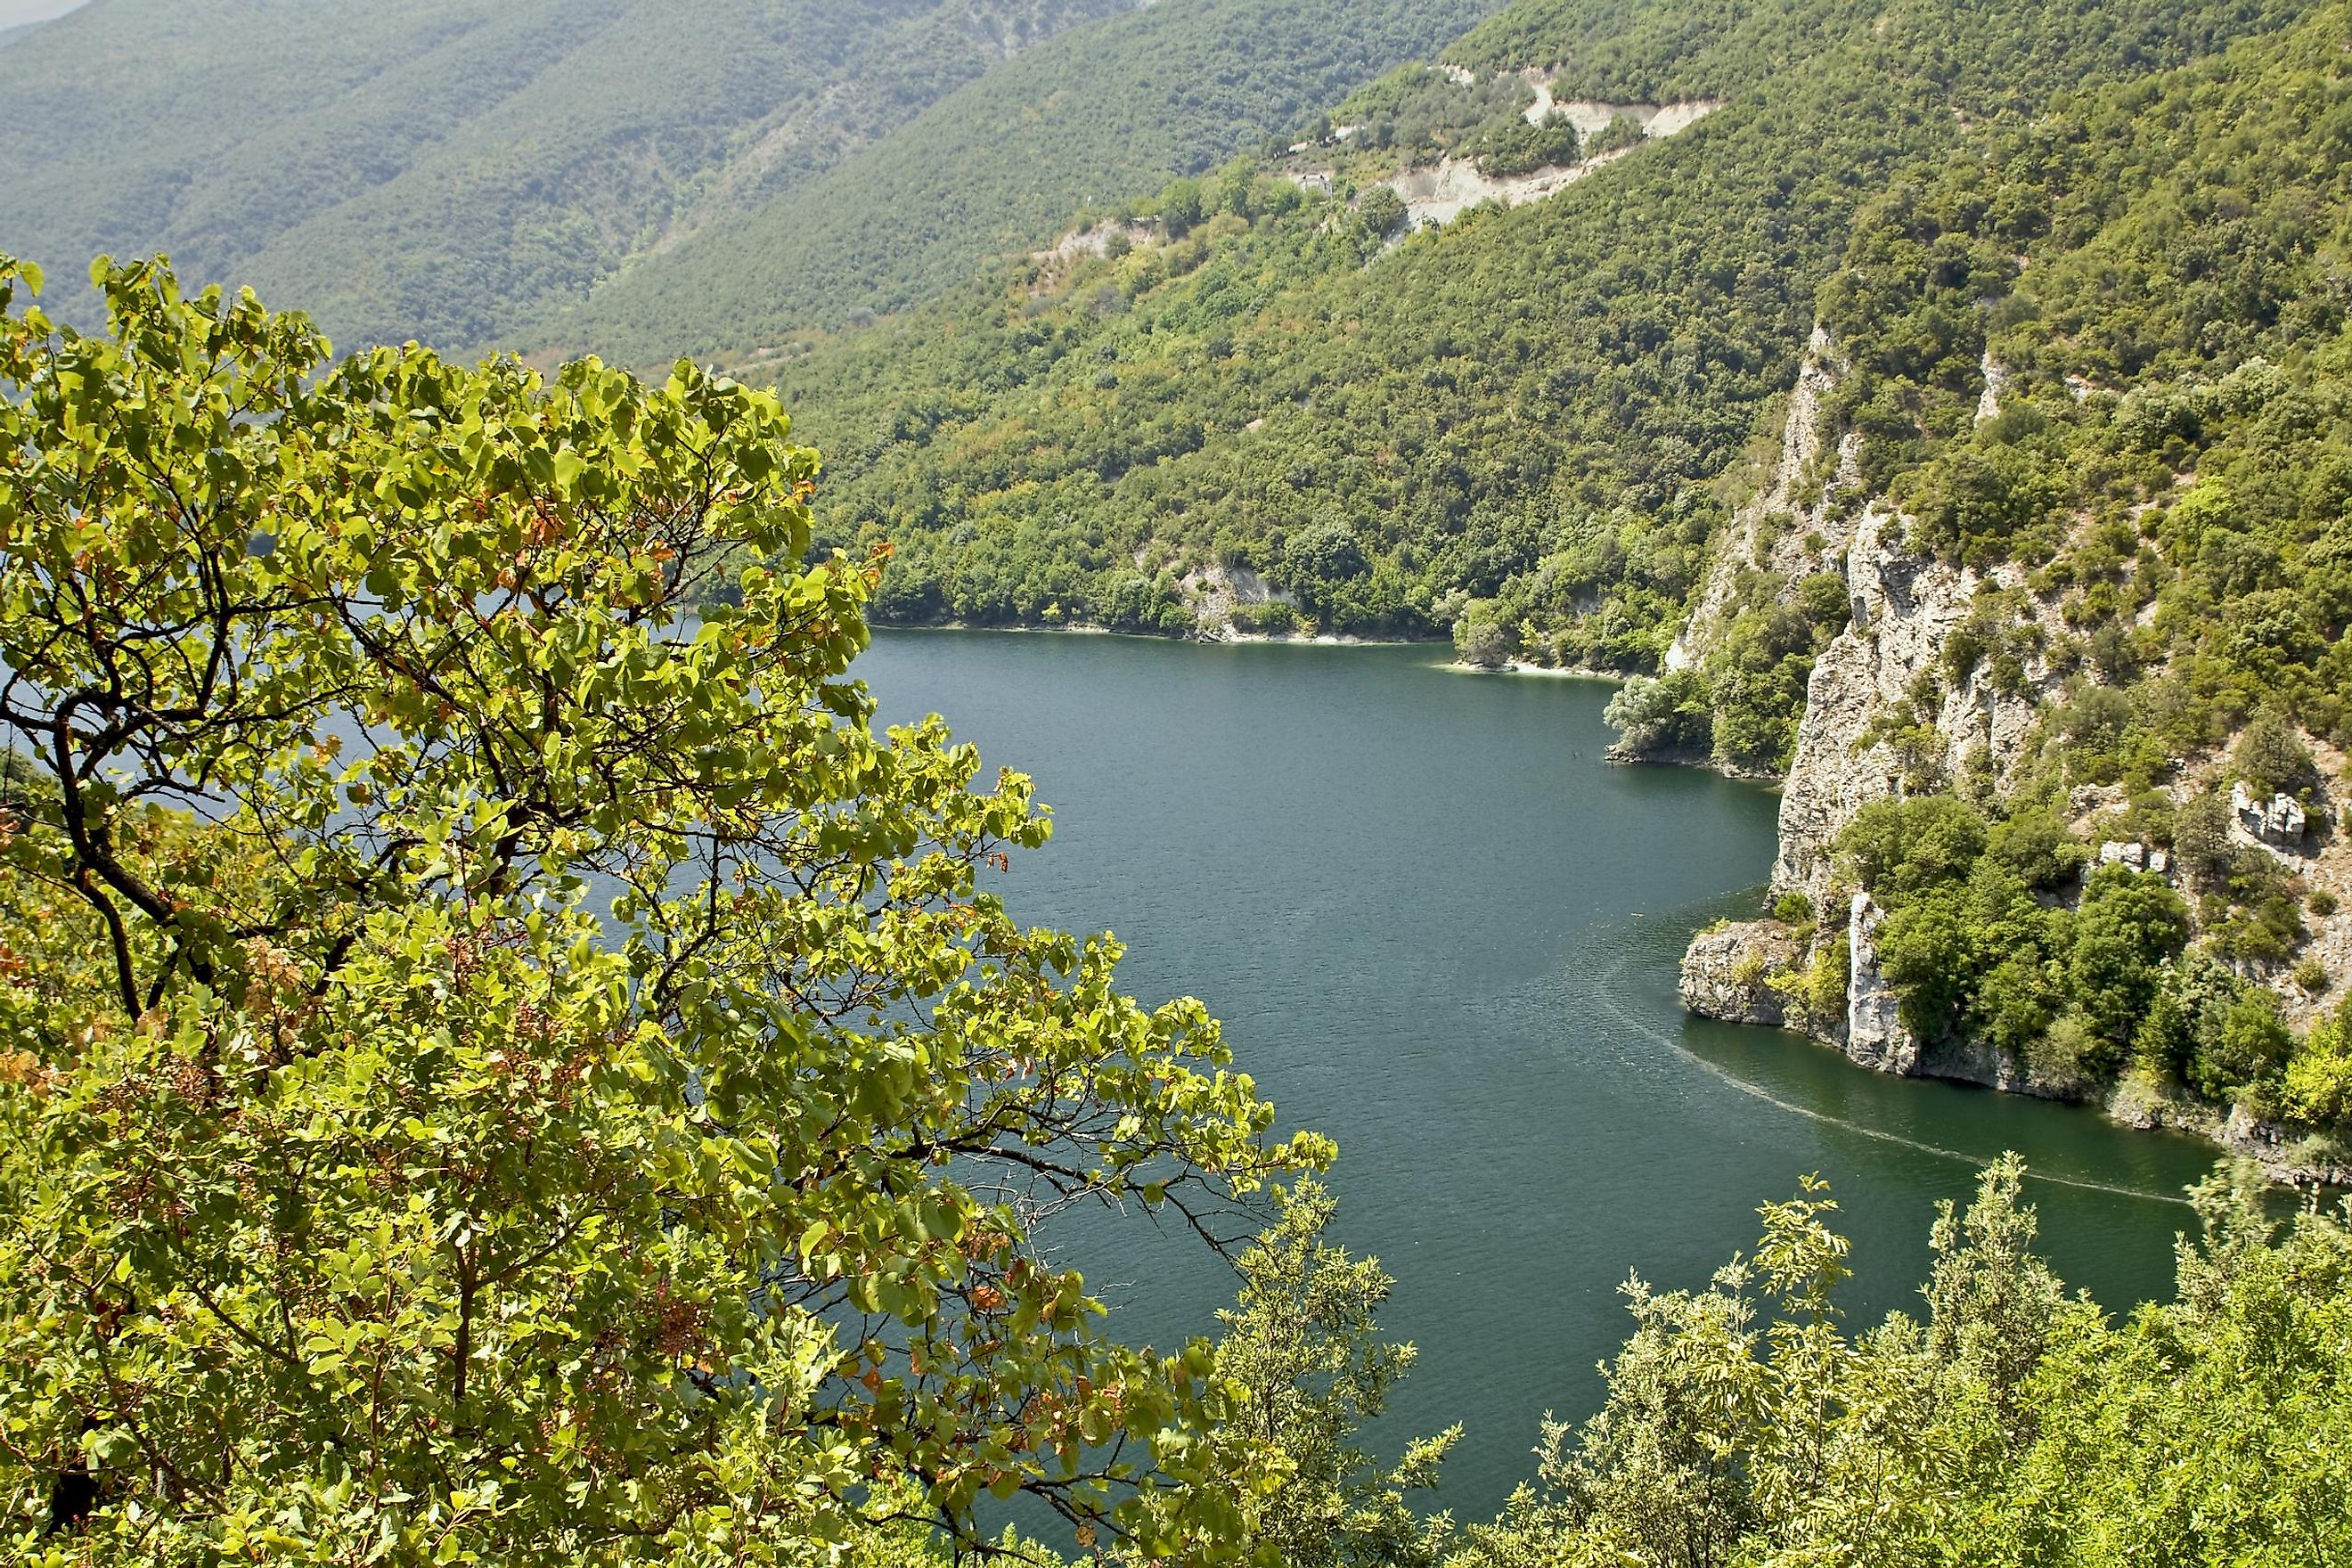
[(1441, 927)]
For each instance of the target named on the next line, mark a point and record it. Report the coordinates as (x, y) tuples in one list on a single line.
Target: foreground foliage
[(2010, 1423), (367, 1196)]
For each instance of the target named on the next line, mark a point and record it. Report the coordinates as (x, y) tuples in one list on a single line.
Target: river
[(1442, 928)]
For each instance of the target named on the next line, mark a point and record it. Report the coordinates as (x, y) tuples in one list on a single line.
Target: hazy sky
[(12, 12)]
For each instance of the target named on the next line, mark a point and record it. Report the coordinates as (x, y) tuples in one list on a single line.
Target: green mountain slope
[(1094, 116), (2098, 378), (1533, 406), (434, 168)]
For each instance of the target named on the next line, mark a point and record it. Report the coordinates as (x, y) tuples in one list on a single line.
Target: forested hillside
[(1093, 117), (434, 169), (2094, 510), (1535, 416)]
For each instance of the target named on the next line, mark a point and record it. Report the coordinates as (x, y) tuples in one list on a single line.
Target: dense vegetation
[(1529, 421), (2158, 517), (2156, 268), (2152, 267), (1093, 117), (1746, 1422), (1981, 947), (370, 1198), (2008, 1423), (435, 170)]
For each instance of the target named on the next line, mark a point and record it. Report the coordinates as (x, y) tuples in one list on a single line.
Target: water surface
[(1440, 927)]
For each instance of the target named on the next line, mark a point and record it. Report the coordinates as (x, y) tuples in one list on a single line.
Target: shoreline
[(1089, 630), (1542, 671), (1271, 639)]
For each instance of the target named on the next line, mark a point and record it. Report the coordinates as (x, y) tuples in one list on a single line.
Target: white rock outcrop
[(1726, 973), (2278, 822), (1814, 540), (1876, 1035), (2132, 856), (1439, 194)]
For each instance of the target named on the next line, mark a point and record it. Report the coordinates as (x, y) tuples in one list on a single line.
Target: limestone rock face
[(1901, 700), (1904, 606), (2278, 822), (2133, 858), (1723, 973), (1804, 540), (1875, 1032)]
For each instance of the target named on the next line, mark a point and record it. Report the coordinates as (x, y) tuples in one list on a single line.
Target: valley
[(526, 1038)]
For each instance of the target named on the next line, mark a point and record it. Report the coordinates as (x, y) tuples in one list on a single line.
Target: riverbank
[(1228, 635), (1555, 671), (1761, 972)]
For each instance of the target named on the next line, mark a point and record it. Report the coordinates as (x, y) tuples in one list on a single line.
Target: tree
[(1382, 212), (2243, 1056), (1304, 1346), (1181, 207), (1668, 713), (2271, 759), (1740, 1413), (2129, 924), (2200, 837), (1482, 636), (2035, 842), (1902, 846), (1993, 1305), (2319, 1079), (369, 1195)]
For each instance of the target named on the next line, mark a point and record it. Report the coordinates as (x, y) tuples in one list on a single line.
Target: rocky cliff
[(1774, 531), (1727, 971), (1898, 703)]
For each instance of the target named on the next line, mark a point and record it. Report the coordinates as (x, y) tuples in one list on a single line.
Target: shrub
[(1663, 713), (2271, 759), (2242, 1060), (1625, 131), (1509, 145), (1273, 618), (2318, 1086), (2071, 1055), (1826, 600)]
